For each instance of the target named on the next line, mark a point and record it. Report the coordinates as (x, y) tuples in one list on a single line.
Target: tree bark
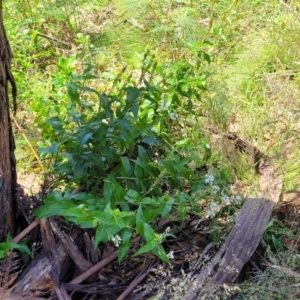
[(7, 145)]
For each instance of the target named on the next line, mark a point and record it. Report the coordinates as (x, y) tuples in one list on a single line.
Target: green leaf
[(101, 235), (148, 247), (3, 253), (164, 209), (52, 209), (207, 57), (73, 92), (132, 94), (74, 211), (142, 154), (86, 137), (277, 244), (6, 246), (147, 200), (126, 164), (132, 196), (71, 59), (150, 213), (184, 171), (119, 193), (52, 149), (147, 167), (79, 170), (63, 62), (126, 236), (88, 89), (140, 220), (183, 143), (83, 221), (160, 252), (149, 233), (86, 105), (168, 167), (56, 123)]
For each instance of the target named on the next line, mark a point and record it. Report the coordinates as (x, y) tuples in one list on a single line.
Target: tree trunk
[(7, 146)]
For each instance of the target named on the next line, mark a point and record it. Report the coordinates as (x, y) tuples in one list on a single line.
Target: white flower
[(116, 240), (238, 199), (215, 189), (173, 116), (179, 33), (213, 209), (170, 255), (209, 178), (225, 200), (164, 106)]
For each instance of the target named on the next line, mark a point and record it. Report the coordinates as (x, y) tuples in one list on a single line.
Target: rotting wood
[(243, 239), (92, 254), (7, 295), (50, 250), (36, 280), (71, 248)]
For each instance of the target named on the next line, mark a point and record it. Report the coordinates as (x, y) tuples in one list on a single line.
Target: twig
[(76, 190), (83, 276), (55, 40), (22, 234), (136, 282), (135, 23), (197, 264), (254, 266), (98, 266)]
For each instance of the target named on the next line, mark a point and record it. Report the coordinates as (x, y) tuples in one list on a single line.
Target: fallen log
[(36, 280), (7, 295), (243, 239)]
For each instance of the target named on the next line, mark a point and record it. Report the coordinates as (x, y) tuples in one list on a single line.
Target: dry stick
[(22, 234), (206, 249), (31, 226), (76, 190), (83, 276), (27, 141), (54, 40), (136, 282)]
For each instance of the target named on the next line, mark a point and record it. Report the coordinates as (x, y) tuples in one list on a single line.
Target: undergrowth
[(117, 98)]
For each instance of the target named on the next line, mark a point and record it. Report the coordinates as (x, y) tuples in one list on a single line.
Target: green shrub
[(123, 149)]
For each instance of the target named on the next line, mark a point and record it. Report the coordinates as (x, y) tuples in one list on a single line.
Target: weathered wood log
[(242, 240), (7, 295), (36, 280)]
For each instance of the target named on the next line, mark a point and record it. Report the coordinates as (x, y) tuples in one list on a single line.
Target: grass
[(253, 88)]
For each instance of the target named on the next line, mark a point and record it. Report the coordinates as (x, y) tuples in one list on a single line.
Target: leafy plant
[(8, 245), (118, 146)]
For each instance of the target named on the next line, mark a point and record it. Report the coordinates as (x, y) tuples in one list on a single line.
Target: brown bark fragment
[(36, 280)]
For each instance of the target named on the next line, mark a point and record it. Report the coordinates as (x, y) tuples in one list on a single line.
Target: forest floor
[(238, 61)]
